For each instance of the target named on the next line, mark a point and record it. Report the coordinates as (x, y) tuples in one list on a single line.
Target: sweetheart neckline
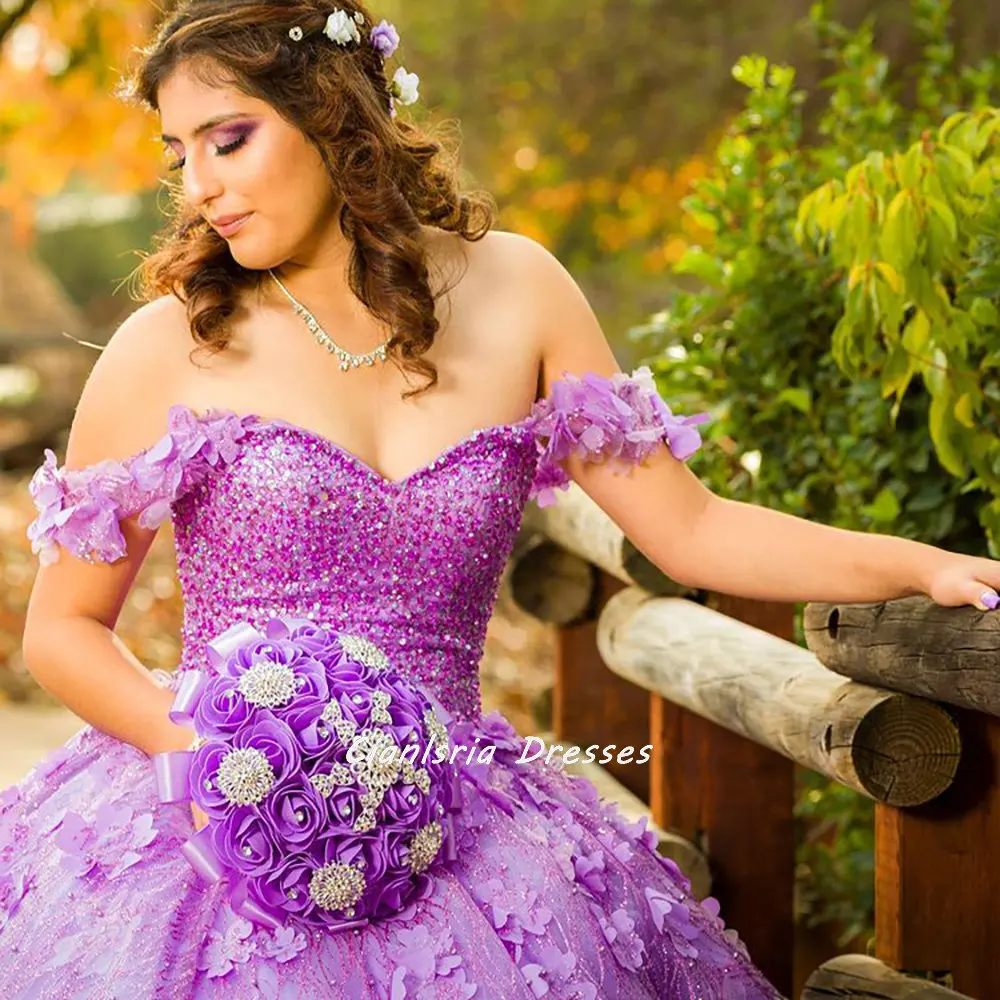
[(262, 422)]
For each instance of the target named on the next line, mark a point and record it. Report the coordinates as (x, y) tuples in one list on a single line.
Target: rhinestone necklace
[(346, 358)]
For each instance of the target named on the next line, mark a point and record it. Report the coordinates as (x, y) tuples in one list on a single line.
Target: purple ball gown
[(552, 894)]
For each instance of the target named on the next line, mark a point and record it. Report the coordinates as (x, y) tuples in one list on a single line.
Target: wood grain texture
[(859, 977), (734, 800), (553, 585), (590, 704), (889, 746), (913, 645), (937, 881)]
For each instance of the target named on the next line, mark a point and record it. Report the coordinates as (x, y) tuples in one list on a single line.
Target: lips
[(226, 225)]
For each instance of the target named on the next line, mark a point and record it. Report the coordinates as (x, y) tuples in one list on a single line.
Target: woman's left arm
[(705, 541)]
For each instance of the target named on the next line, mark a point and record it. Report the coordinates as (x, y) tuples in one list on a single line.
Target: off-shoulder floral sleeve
[(82, 509), (620, 418)]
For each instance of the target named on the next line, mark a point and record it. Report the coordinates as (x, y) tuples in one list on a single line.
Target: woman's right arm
[(69, 643)]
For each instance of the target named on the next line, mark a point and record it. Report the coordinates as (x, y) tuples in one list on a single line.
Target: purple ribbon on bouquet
[(297, 700)]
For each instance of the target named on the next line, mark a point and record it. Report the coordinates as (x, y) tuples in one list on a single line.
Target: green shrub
[(784, 331)]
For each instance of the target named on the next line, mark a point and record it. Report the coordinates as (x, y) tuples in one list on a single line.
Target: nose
[(201, 182)]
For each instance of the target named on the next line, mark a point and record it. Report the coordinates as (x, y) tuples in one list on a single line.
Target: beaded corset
[(272, 519)]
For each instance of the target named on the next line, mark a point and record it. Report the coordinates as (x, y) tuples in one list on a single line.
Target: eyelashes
[(225, 150)]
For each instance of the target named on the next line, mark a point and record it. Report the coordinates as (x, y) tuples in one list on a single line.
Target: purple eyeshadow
[(231, 133)]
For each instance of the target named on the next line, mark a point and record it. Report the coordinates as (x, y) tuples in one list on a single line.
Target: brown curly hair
[(390, 175)]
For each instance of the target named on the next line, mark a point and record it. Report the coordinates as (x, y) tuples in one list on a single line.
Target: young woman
[(380, 382)]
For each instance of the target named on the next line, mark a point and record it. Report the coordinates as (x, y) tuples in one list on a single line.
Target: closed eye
[(225, 150)]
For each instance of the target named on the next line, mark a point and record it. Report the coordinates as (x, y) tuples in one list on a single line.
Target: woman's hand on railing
[(965, 580)]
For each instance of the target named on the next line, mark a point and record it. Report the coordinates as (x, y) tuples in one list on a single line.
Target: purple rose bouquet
[(325, 776)]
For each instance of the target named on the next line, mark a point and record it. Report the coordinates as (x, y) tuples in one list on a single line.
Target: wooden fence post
[(734, 799), (937, 865), (937, 873), (590, 704)]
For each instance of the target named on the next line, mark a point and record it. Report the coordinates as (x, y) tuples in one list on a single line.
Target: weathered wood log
[(706, 782), (912, 645), (590, 704), (937, 871), (552, 584), (579, 525), (891, 747), (858, 977), (689, 859)]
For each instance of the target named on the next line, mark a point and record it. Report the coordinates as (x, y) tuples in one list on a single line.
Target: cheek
[(293, 183)]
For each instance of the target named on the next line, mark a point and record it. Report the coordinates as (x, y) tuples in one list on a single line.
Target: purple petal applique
[(13, 889), (619, 932), (282, 944), (267, 982), (599, 418), (589, 871), (659, 906), (81, 509), (224, 951), (110, 845), (620, 850), (534, 976), (427, 964)]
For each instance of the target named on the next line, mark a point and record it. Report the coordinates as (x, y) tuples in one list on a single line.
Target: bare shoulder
[(501, 249), (567, 331), (496, 255), (123, 406)]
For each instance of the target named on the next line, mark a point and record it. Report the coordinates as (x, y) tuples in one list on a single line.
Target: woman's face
[(239, 158)]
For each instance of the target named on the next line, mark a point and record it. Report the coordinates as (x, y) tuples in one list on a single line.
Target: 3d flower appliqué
[(110, 845)]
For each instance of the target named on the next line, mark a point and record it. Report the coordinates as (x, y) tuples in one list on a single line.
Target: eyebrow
[(207, 125)]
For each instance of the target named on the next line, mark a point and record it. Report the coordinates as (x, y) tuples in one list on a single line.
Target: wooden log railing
[(899, 701)]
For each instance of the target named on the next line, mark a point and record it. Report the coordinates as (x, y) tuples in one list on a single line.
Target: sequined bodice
[(295, 525), (272, 519)]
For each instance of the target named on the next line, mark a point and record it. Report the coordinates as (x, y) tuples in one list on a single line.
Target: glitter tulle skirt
[(552, 894)]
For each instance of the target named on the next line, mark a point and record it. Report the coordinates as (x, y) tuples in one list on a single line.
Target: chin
[(251, 258)]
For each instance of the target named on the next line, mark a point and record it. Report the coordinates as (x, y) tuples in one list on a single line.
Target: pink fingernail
[(991, 600)]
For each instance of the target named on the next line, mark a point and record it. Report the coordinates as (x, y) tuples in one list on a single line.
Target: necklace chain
[(347, 358)]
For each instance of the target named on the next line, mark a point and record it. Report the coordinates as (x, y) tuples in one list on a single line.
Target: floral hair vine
[(343, 28)]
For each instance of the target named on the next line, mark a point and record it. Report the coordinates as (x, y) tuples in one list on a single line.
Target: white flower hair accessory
[(343, 29), (404, 86)]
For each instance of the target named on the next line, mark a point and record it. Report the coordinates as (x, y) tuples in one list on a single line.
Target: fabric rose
[(326, 804), (341, 28), (405, 86), (384, 39)]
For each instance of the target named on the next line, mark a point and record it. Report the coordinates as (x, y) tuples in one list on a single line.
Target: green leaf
[(898, 371), (945, 214), (964, 411), (942, 425), (889, 306), (984, 312), (800, 398), (899, 234), (950, 123), (935, 373), (700, 264), (751, 71), (917, 333), (884, 508), (982, 183), (890, 276), (959, 161), (910, 168)]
